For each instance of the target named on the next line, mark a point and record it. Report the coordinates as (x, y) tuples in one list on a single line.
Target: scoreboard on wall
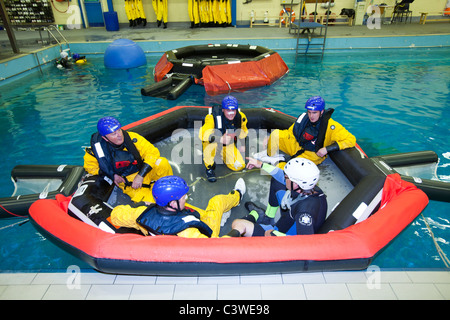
[(29, 11)]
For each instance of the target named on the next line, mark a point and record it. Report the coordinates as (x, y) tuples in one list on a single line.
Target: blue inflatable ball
[(124, 54)]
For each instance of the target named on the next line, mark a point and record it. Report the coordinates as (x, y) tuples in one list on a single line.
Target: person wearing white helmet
[(64, 62), (303, 204)]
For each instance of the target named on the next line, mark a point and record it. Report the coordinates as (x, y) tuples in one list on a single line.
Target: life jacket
[(311, 136), (159, 221), (114, 159), (64, 63), (221, 123), (311, 209)]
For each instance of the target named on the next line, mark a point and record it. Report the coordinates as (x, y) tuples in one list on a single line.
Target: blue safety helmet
[(76, 56), (169, 188), (315, 104), (230, 103), (108, 125)]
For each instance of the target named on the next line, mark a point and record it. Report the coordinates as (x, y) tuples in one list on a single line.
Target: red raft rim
[(350, 247)]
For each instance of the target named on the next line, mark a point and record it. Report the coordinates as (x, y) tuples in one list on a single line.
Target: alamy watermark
[(73, 281), (374, 19), (189, 149), (373, 274)]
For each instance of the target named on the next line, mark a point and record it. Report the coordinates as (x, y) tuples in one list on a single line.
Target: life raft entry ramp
[(220, 68)]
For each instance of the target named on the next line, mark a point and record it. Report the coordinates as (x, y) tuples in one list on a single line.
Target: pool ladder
[(52, 30)]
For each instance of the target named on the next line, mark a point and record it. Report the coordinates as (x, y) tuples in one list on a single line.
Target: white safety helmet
[(64, 55), (303, 172)]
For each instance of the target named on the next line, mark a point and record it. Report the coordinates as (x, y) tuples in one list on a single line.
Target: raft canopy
[(222, 67)]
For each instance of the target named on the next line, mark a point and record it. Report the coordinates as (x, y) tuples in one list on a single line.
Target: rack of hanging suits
[(202, 13), (209, 13), (136, 15)]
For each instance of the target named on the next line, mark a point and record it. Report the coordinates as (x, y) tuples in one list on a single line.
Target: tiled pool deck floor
[(351, 285)]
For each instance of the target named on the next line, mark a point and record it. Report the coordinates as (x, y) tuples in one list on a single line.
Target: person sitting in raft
[(64, 62), (126, 158), (304, 205), (222, 128), (171, 215), (312, 136)]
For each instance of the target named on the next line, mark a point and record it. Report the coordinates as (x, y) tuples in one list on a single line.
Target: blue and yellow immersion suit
[(127, 160), (214, 127), (189, 222), (304, 139)]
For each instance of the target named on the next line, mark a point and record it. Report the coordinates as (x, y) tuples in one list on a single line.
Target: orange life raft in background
[(221, 68), (340, 244)]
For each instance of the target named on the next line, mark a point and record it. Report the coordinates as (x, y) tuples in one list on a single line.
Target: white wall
[(177, 9)]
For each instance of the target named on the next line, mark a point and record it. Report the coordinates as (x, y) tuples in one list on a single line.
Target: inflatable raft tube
[(435, 189), (170, 88), (347, 241), (33, 182)]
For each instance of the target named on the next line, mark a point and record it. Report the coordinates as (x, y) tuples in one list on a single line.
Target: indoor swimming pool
[(391, 100)]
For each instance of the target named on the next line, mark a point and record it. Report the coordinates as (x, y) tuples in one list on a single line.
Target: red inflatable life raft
[(340, 245), (220, 68)]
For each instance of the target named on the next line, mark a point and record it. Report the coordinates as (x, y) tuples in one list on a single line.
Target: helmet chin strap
[(178, 205)]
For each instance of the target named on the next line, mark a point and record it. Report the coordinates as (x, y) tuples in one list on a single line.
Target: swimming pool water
[(392, 101)]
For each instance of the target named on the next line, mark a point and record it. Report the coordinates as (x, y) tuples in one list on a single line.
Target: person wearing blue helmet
[(224, 128), (171, 215), (78, 59), (312, 136), (126, 159)]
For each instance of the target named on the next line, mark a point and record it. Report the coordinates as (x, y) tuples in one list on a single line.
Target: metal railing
[(52, 30)]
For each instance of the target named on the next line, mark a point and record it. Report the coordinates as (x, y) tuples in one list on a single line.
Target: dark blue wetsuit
[(305, 213)]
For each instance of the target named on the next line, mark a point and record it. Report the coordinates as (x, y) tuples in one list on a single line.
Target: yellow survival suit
[(330, 133), (161, 10), (210, 134), (125, 215), (134, 10), (150, 156)]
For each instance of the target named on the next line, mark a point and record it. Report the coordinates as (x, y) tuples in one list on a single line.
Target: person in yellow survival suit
[(312, 136), (171, 215), (223, 127), (129, 160)]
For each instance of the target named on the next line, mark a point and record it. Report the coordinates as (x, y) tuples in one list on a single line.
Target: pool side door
[(94, 13)]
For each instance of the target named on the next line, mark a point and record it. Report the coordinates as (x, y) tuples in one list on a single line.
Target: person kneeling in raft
[(304, 205), (222, 128)]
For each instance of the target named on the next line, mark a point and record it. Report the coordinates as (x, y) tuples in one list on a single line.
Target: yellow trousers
[(231, 156), (125, 215), (161, 169), (284, 140)]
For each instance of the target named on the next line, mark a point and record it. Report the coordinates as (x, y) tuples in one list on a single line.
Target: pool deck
[(28, 41), (351, 285)]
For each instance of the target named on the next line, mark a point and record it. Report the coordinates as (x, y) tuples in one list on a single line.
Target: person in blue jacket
[(303, 203)]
